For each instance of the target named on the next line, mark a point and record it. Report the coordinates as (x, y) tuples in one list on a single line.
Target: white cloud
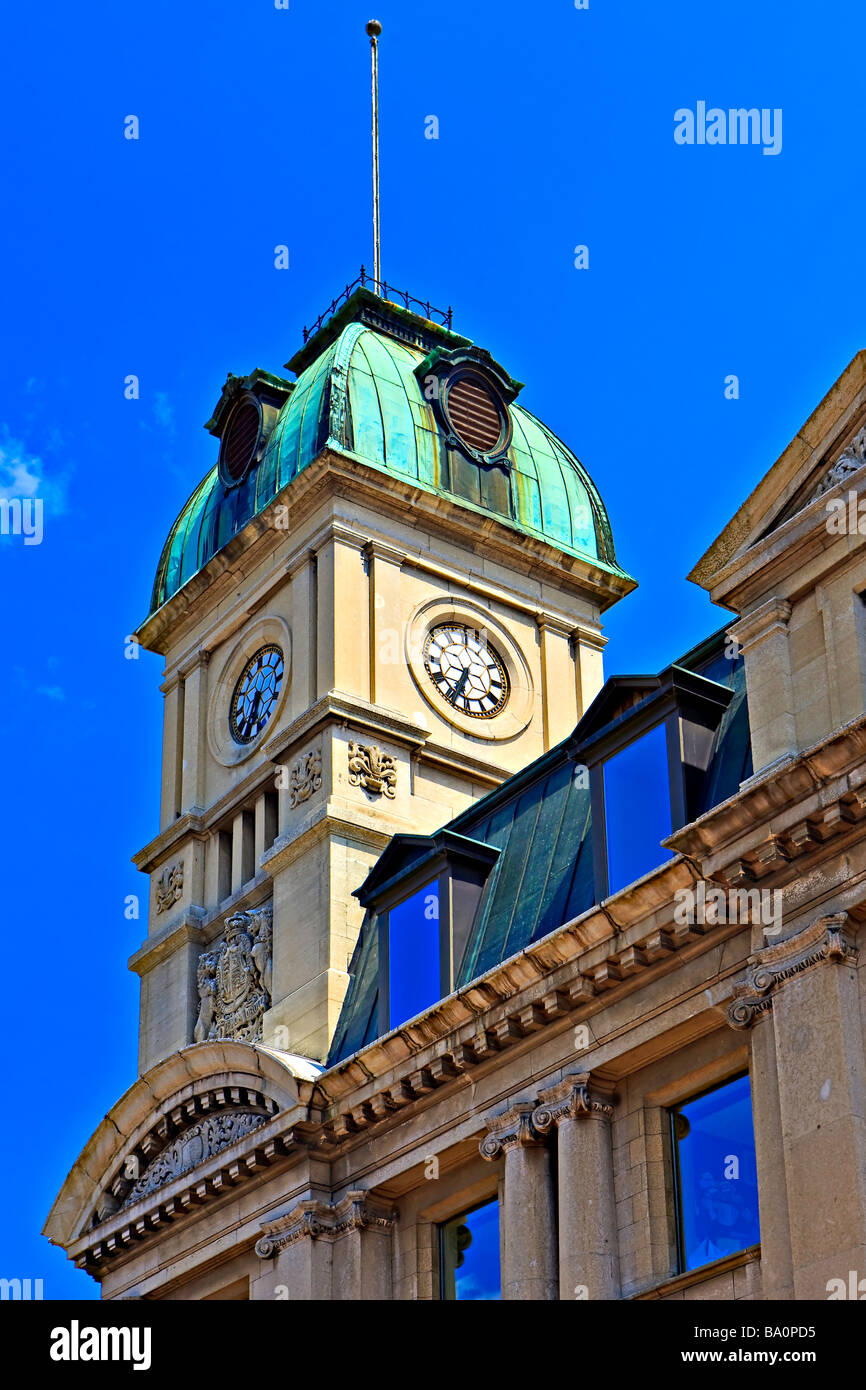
[(22, 474)]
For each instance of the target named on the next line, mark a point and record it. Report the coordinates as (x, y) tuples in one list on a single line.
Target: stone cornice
[(807, 800), (779, 558), (833, 419), (189, 826), (347, 476), (576, 1097), (827, 939), (190, 930), (351, 711), (316, 1220), (202, 1185)]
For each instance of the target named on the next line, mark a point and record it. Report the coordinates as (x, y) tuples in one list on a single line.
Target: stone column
[(528, 1211), (588, 645), (808, 986), (558, 692), (172, 751), (777, 1277), (194, 733), (579, 1109), (343, 645), (763, 636)]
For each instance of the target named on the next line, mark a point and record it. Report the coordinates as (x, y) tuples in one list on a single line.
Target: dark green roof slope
[(541, 821)]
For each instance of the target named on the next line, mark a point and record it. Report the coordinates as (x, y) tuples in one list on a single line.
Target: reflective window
[(716, 1177), (414, 970), (469, 1254), (637, 808)]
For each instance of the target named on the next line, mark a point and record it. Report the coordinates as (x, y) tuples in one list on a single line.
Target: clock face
[(466, 670), (255, 694)]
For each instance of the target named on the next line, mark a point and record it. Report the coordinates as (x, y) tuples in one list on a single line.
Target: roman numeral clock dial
[(466, 670)]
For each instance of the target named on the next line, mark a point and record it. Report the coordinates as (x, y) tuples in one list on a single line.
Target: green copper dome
[(358, 392)]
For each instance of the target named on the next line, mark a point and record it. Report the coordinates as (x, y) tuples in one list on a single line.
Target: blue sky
[(156, 257)]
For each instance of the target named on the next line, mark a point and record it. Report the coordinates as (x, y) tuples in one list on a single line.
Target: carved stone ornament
[(197, 1143), (572, 1099), (372, 769), (234, 979), (358, 1211), (306, 777), (828, 939), (512, 1128), (851, 458), (169, 887)]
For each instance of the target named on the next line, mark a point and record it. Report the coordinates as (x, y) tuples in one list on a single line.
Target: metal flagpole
[(374, 29)]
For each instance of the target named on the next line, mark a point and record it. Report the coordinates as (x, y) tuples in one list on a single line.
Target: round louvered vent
[(239, 441), (475, 413)]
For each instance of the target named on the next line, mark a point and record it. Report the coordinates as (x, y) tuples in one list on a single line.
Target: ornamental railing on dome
[(385, 291)]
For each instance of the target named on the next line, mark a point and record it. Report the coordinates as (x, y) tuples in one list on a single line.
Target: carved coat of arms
[(234, 979)]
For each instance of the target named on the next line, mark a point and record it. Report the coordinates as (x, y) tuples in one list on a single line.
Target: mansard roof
[(540, 821)]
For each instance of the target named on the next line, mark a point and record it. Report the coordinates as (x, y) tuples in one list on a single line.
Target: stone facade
[(548, 1082)]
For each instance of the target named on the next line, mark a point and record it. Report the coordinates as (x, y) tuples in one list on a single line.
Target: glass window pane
[(469, 1255), (414, 974), (716, 1174), (637, 806)]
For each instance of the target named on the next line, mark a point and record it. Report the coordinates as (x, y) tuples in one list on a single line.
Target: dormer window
[(477, 416), (414, 953), (647, 742), (637, 808), (425, 892)]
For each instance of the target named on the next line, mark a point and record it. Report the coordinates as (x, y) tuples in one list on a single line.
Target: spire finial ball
[(374, 28)]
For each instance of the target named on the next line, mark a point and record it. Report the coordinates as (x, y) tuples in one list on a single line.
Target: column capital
[(829, 938), (576, 1097), (192, 663), (554, 622), (315, 1219), (771, 616), (377, 549), (585, 635), (512, 1129)]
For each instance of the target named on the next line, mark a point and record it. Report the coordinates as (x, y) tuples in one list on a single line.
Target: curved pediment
[(185, 1111)]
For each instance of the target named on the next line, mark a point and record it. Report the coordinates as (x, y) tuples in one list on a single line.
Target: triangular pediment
[(829, 447)]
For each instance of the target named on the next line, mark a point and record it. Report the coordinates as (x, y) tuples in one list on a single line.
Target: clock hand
[(460, 686), (252, 716)]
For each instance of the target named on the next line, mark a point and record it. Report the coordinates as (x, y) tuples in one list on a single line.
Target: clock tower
[(383, 599)]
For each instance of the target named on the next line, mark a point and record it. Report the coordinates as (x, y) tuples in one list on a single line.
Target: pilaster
[(528, 1207), (579, 1110), (763, 636), (806, 990)]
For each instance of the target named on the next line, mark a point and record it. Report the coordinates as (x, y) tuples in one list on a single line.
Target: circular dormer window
[(476, 414), (240, 441)]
